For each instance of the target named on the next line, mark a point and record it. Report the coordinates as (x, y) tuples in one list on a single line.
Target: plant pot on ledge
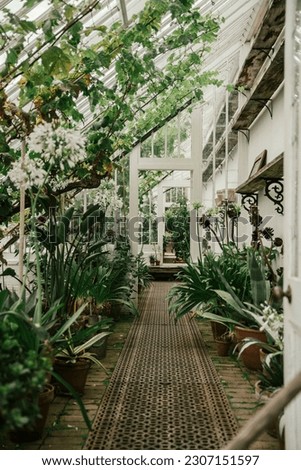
[(74, 373), (223, 346), (251, 355), (35, 432)]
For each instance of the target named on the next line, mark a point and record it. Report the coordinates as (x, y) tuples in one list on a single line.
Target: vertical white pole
[(85, 197), (196, 177), (160, 215), (214, 151), (227, 145), (22, 221), (133, 222)]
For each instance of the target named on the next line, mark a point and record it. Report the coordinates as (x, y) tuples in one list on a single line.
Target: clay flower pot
[(74, 373), (223, 346), (251, 355), (35, 432)]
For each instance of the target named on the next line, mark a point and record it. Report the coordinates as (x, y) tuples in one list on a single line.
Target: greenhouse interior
[(149, 258)]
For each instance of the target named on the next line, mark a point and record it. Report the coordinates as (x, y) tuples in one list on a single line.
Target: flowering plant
[(107, 197), (51, 150), (272, 321)]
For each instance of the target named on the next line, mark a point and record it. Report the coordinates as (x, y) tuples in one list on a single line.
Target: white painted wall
[(265, 133), (268, 133)]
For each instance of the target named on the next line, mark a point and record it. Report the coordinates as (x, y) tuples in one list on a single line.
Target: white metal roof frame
[(224, 57)]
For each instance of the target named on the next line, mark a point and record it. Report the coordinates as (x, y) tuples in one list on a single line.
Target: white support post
[(22, 223), (133, 222), (196, 178), (227, 146), (160, 226), (214, 151)]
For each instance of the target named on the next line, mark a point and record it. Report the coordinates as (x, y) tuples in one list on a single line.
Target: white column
[(196, 177), (133, 222), (160, 214), (214, 151)]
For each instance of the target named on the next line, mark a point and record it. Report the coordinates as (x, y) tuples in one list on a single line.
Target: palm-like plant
[(69, 247), (199, 283)]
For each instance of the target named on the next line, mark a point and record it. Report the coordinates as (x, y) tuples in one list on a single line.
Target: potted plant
[(199, 283), (253, 330), (152, 260), (141, 273), (25, 392)]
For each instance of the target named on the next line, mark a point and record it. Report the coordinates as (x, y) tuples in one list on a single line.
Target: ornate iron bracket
[(264, 101), (248, 200), (274, 192), (246, 133)]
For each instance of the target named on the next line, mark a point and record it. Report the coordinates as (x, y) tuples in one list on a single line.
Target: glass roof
[(239, 26)]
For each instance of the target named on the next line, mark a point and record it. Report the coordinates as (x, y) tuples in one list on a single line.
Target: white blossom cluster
[(65, 146), (106, 196), (273, 321), (27, 173), (51, 146)]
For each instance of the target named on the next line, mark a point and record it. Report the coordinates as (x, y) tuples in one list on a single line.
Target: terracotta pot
[(251, 356), (75, 374), (223, 347), (218, 329), (34, 433), (263, 396)]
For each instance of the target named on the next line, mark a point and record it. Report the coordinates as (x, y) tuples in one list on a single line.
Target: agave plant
[(74, 346)]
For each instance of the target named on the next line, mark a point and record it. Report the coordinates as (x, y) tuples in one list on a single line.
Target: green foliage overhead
[(67, 61)]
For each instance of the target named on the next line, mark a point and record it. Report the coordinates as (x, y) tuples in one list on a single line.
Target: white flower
[(58, 145), (26, 174), (273, 322)]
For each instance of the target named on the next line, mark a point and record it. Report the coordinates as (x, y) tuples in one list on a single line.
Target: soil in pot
[(251, 356), (36, 431), (74, 373)]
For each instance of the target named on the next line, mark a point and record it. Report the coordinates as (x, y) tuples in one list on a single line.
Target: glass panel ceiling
[(240, 20)]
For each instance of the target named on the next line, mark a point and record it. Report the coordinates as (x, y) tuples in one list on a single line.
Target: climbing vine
[(116, 83)]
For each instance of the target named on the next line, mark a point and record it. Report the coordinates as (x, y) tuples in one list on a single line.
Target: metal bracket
[(264, 102), (274, 192), (248, 200), (266, 50), (246, 133)]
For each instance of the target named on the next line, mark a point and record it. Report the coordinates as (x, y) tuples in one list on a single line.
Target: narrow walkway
[(165, 392)]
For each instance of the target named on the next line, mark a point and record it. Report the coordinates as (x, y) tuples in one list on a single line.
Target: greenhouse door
[(292, 217), (192, 165)]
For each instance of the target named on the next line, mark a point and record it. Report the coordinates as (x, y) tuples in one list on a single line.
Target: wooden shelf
[(273, 170)]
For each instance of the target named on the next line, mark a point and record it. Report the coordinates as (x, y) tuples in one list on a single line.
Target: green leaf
[(28, 26), (47, 30), (12, 56), (69, 12), (56, 62), (31, 3), (229, 299), (9, 272)]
